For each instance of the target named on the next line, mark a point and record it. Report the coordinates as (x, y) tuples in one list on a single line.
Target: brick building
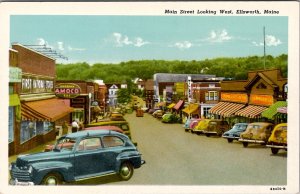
[(34, 110)]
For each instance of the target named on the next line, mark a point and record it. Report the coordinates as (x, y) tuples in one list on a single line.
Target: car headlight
[(30, 169), (10, 167)]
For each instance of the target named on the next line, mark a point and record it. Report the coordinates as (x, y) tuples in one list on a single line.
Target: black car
[(78, 156)]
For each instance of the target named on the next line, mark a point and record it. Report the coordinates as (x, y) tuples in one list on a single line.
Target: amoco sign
[(67, 90)]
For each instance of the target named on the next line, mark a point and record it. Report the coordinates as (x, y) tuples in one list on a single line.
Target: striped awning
[(226, 109), (45, 110), (231, 109), (217, 107), (251, 111)]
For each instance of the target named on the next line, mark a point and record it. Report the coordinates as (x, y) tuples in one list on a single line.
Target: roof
[(85, 133), (170, 77), (272, 110)]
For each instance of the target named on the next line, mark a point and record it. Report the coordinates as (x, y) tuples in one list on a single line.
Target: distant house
[(113, 94)]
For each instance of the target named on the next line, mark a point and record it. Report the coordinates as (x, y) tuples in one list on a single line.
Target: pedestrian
[(65, 128), (75, 126)]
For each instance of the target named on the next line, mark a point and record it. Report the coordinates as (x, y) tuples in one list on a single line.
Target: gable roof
[(259, 76)]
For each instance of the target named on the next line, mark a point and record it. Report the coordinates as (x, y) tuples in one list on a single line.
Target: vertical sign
[(189, 93)]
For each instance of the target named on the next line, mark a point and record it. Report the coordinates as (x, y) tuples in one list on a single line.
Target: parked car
[(124, 125), (187, 124), (235, 131), (170, 118), (116, 116), (258, 133), (278, 138), (89, 154), (216, 127), (201, 126), (193, 124), (152, 110), (112, 128), (158, 113)]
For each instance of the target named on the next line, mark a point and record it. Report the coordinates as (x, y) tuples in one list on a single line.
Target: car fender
[(43, 168), (132, 156)]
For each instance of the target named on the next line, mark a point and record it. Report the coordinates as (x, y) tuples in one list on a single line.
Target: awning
[(171, 105), (272, 110), (191, 109), (45, 110), (230, 109), (178, 105), (251, 111), (218, 107), (282, 110)]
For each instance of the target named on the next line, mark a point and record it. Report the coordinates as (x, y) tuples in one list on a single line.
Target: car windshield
[(239, 127), (64, 144)]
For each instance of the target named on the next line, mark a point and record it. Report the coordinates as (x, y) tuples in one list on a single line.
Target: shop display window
[(28, 130), (11, 124)]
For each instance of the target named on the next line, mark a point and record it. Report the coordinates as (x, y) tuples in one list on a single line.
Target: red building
[(34, 111)]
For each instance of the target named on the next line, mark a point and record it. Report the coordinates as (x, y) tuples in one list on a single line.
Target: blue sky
[(113, 39)]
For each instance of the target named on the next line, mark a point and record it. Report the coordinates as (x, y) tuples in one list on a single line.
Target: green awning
[(272, 110), (14, 100)]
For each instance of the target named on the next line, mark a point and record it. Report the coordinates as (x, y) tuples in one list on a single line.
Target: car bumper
[(20, 183), (251, 140), (210, 132), (277, 146), (143, 162), (230, 137)]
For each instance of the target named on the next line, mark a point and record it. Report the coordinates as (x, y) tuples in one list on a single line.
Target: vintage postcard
[(149, 97)]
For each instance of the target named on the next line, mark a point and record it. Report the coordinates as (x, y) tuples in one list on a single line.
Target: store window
[(28, 130), (43, 127), (78, 115), (212, 95), (11, 124), (206, 114)]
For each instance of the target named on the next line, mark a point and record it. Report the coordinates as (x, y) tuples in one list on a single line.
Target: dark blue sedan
[(78, 156), (235, 131)]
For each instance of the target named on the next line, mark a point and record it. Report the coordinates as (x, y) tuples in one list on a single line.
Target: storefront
[(246, 100), (34, 111), (277, 112)]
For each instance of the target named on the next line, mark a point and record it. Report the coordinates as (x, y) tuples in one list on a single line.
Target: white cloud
[(270, 41), (75, 49), (121, 40), (219, 37), (60, 46), (183, 45), (41, 41)]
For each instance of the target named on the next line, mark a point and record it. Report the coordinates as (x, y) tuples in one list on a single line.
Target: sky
[(113, 39)]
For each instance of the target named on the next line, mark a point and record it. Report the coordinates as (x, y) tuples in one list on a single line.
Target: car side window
[(89, 144), (112, 141)]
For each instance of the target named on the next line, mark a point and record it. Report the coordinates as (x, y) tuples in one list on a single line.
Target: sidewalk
[(37, 149)]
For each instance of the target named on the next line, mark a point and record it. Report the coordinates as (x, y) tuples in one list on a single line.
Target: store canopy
[(171, 105), (45, 110), (191, 109), (251, 111), (230, 109), (272, 110), (178, 105)]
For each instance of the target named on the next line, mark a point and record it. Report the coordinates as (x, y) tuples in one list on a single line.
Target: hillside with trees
[(235, 68)]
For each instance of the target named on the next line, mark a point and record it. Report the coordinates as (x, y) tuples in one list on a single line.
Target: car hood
[(42, 156)]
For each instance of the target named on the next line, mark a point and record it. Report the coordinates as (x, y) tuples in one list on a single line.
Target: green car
[(170, 118)]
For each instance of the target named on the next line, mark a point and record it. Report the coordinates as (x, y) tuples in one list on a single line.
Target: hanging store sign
[(234, 97), (15, 74), (67, 90), (265, 100)]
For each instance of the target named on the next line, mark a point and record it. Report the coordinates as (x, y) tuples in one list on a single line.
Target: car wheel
[(186, 130), (207, 134), (126, 171), (52, 179), (198, 133), (229, 140), (245, 144), (274, 150)]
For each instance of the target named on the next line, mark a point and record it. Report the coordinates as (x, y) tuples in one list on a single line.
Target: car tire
[(207, 134), (274, 150), (230, 140), (126, 171), (52, 179), (245, 144)]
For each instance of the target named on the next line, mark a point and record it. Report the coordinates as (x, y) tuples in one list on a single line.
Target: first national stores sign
[(67, 90)]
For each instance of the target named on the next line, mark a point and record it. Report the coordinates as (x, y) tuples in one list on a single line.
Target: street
[(175, 157)]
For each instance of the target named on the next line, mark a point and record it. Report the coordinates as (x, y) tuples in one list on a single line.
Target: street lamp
[(90, 96)]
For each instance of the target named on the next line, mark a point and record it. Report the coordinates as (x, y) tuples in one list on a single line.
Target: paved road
[(175, 157)]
